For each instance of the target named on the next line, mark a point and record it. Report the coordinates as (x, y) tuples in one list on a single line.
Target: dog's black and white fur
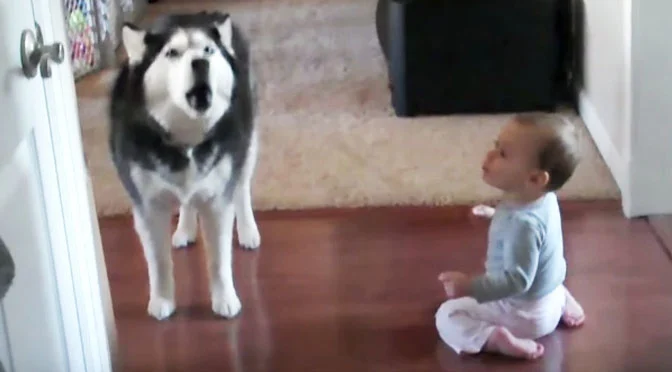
[(183, 134)]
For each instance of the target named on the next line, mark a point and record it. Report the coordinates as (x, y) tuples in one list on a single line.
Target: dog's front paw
[(248, 236), (227, 306), (160, 308)]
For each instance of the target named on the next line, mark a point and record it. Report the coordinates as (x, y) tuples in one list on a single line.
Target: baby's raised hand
[(455, 283), (483, 210), (451, 276)]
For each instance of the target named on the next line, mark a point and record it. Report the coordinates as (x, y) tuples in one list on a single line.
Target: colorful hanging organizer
[(82, 35), (88, 24)]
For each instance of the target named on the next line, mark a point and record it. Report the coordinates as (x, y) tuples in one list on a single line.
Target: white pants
[(465, 325)]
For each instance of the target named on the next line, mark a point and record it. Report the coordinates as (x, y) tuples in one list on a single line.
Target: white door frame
[(83, 288), (650, 165), (642, 168)]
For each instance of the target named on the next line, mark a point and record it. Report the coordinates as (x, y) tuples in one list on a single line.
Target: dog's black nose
[(201, 68)]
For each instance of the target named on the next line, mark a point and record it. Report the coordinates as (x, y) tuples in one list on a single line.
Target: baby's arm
[(520, 255)]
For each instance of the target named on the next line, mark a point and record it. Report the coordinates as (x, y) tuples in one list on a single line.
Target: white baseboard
[(614, 159)]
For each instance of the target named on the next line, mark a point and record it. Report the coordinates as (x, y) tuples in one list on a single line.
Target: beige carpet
[(329, 137)]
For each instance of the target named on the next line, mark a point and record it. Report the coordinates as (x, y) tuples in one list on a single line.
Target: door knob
[(7, 270), (35, 54)]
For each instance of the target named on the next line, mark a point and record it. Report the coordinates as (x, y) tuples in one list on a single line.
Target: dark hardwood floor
[(662, 226), (356, 290)]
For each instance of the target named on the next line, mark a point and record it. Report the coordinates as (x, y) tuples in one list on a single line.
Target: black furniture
[(477, 56)]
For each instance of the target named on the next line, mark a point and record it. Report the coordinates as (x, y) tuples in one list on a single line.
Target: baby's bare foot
[(503, 342), (573, 316)]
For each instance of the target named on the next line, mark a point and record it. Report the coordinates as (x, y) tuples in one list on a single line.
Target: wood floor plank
[(662, 226), (356, 290)]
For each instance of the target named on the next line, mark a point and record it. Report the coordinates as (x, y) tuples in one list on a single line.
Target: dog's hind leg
[(217, 223), (246, 226), (152, 225), (187, 227)]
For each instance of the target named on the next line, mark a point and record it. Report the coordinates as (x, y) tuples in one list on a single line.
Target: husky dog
[(183, 134)]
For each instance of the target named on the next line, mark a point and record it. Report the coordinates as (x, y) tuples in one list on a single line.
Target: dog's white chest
[(187, 186), (183, 128)]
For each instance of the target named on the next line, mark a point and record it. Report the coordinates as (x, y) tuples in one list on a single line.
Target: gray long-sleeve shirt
[(525, 256)]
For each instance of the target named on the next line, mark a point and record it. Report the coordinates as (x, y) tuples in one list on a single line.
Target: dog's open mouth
[(200, 97)]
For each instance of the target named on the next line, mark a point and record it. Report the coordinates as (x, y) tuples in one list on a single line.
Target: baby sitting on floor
[(521, 296)]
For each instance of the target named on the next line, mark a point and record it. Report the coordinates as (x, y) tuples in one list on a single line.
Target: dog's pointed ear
[(133, 39), (225, 29)]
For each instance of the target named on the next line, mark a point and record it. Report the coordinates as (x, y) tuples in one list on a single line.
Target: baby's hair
[(559, 153)]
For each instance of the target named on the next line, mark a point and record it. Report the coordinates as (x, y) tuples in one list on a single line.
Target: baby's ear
[(133, 39), (541, 178), (225, 29)]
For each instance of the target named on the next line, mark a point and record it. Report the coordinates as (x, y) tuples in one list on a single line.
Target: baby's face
[(511, 165)]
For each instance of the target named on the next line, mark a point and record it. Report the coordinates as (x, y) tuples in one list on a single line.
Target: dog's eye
[(209, 50), (172, 53)]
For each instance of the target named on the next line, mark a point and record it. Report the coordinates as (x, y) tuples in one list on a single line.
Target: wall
[(604, 101), (119, 11), (651, 135), (626, 100)]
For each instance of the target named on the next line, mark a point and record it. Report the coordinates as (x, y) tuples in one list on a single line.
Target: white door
[(56, 314)]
